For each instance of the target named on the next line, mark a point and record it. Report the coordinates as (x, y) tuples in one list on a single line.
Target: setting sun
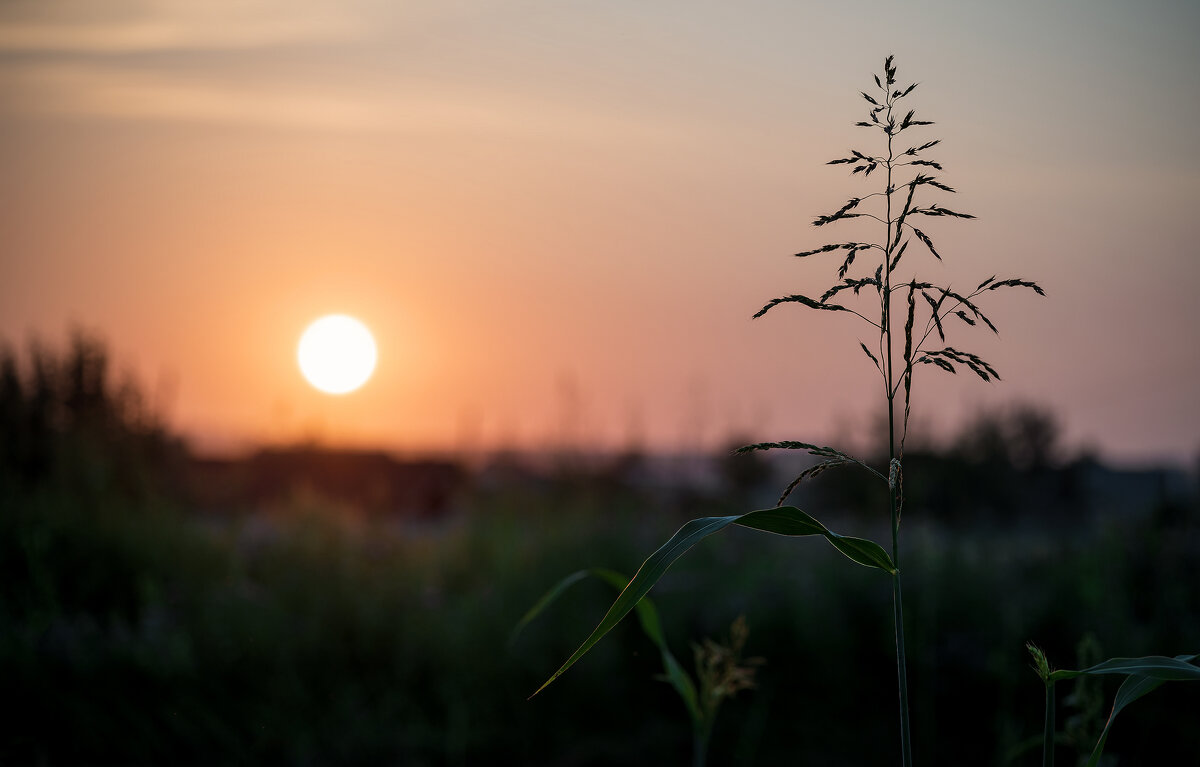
[(337, 354)]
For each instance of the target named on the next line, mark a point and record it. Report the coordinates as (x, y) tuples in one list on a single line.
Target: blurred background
[(313, 605), (557, 221)]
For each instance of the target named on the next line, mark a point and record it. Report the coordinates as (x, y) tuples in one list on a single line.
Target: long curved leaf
[(789, 520), (1152, 666), (651, 627), (646, 612), (1131, 689), (784, 520), (683, 685)]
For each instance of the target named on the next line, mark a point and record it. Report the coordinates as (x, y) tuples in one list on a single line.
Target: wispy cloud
[(454, 66), (72, 27), (380, 68), (72, 89), (114, 91)]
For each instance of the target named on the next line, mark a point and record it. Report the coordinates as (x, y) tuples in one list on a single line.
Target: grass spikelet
[(847, 263), (835, 246), (798, 299), (809, 473), (840, 213), (935, 313), (928, 242), (872, 356), (1016, 283)]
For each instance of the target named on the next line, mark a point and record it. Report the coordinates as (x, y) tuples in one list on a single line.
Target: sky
[(558, 218)]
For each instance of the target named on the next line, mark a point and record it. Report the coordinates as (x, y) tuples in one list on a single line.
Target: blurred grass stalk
[(721, 671), (1142, 676)]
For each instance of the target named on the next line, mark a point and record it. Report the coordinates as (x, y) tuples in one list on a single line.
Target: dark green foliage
[(1141, 677), (64, 419), (320, 644), (135, 634)]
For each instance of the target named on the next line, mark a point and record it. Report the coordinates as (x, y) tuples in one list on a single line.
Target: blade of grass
[(652, 627), (1049, 727), (1151, 666), (648, 618), (784, 520), (1130, 690)]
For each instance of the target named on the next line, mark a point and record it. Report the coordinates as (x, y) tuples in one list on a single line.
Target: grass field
[(133, 631)]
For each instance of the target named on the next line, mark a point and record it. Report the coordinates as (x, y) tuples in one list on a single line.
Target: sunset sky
[(558, 218)]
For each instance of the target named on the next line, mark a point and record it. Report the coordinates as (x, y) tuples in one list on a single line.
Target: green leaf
[(683, 684), (1152, 666), (652, 627), (1131, 689), (1144, 676), (647, 615), (789, 520), (785, 520)]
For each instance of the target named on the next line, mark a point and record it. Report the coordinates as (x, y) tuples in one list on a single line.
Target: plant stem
[(898, 615), (894, 489), (1048, 735), (905, 738), (700, 746)]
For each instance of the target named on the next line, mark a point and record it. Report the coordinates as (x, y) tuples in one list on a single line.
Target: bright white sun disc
[(337, 354)]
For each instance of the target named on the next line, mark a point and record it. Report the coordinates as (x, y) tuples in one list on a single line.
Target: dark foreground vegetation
[(138, 625)]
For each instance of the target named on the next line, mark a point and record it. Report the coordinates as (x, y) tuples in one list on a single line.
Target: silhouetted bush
[(66, 422)]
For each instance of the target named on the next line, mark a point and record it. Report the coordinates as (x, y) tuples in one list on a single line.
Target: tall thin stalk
[(1048, 729), (1042, 666), (893, 484), (942, 305)]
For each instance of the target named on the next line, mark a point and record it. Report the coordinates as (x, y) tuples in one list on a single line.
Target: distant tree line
[(1005, 466)]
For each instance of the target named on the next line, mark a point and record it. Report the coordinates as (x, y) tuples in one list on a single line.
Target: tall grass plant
[(878, 273)]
